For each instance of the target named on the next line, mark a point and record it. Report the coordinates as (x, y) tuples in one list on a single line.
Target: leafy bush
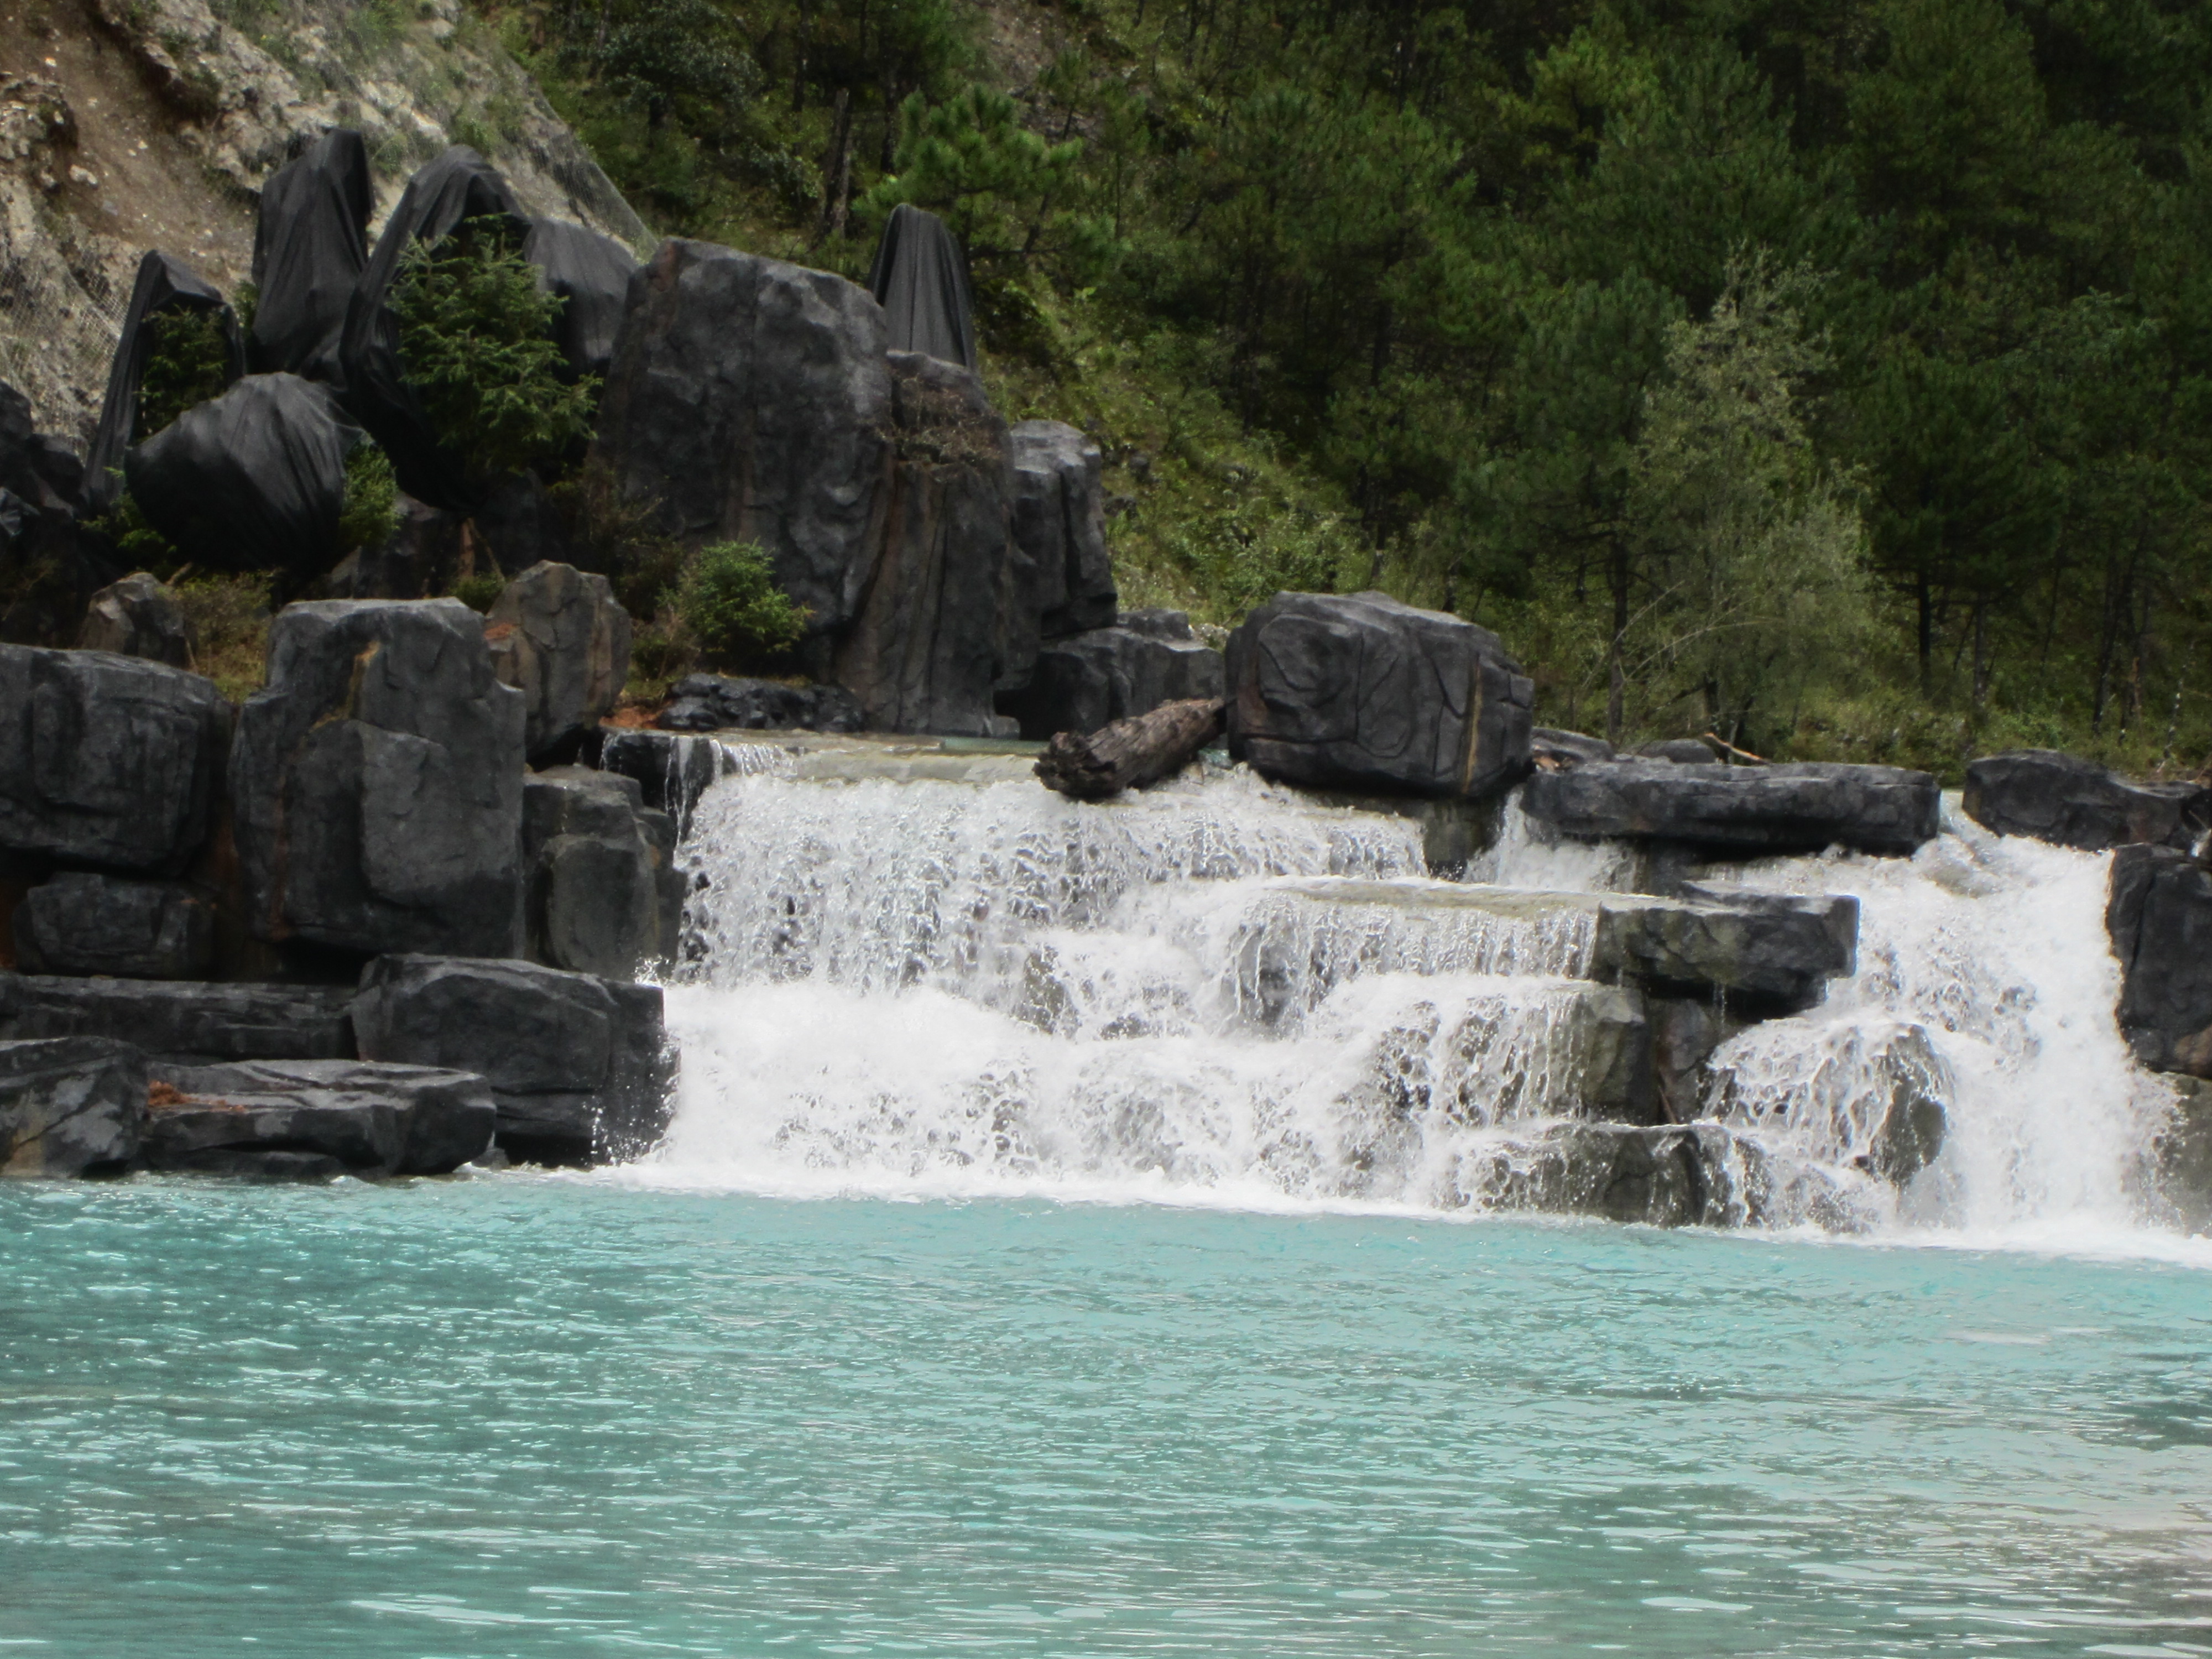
[(226, 618), (475, 341), (129, 534), (371, 500), (479, 592), (730, 603), (617, 536), (187, 362)]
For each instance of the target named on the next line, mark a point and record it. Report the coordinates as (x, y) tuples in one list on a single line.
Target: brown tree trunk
[(838, 171), (1131, 753)]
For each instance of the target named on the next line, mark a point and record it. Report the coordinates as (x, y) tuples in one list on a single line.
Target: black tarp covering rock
[(591, 272), (578, 1064), (921, 280), (309, 247), (377, 782), (458, 185), (1089, 680), (558, 637), (1059, 527), (928, 639), (70, 1106), (751, 400), (107, 762), (605, 896), (183, 1020), (1360, 691), (2159, 914), (79, 923), (163, 285), (2071, 802), (137, 617), (252, 480), (717, 703), (1740, 810), (369, 1119)]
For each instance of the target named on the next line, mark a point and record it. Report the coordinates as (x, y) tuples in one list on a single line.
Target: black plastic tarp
[(459, 184), (309, 250), (252, 480), (163, 284), (921, 280), (591, 273)]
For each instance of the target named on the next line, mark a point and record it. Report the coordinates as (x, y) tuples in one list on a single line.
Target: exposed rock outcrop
[(1364, 692), (88, 924), (137, 617), (557, 636), (1690, 1174), (70, 1106), (605, 896), (1740, 810), (378, 782), (1083, 682), (2160, 916), (716, 703), (2071, 802), (1764, 950), (1059, 528), (369, 1119)]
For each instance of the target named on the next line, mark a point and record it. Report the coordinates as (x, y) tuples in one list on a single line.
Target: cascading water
[(1222, 991)]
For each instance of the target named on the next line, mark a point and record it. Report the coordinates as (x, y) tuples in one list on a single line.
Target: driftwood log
[(1131, 753)]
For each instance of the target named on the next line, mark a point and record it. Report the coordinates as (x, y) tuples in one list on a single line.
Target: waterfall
[(1224, 992)]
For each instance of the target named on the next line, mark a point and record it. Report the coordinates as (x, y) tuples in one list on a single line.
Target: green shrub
[(475, 343), (729, 602), (372, 504), (227, 619), (187, 362), (479, 592), (126, 527)]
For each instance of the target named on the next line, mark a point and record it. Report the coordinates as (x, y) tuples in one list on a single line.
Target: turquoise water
[(524, 1416)]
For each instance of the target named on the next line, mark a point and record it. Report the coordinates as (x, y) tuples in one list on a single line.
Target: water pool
[(534, 1416)]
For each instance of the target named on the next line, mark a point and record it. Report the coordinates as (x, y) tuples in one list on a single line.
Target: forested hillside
[(1833, 375)]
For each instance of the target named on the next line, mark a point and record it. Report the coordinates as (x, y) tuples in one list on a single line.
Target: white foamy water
[(1219, 992)]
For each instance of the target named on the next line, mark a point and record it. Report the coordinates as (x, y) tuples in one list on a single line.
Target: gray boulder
[(1360, 691), (557, 636), (717, 703), (374, 1119), (88, 924), (106, 761), (2159, 914), (578, 1065), (751, 400), (605, 896), (1086, 681), (2071, 802), (183, 1021), (1059, 528), (935, 631), (378, 782), (1740, 810), (1770, 951), (137, 617), (70, 1106)]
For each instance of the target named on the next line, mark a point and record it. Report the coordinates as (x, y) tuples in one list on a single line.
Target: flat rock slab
[(372, 1119), (70, 1106), (1743, 811), (2071, 802), (183, 1020)]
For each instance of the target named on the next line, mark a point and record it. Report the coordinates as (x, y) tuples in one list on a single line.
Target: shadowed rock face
[(576, 1064), (85, 924), (557, 636), (372, 1119), (183, 1021), (2071, 802), (378, 782), (1059, 528), (1086, 681), (2184, 1156), (751, 400), (2160, 916), (70, 1106), (1671, 1176), (1364, 692), (1740, 810), (1771, 950), (137, 617), (107, 762), (719, 702), (605, 895)]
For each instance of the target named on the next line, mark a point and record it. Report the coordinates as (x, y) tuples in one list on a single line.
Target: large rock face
[(184, 1022), (137, 617), (70, 1106), (1088, 680), (605, 896), (1364, 692), (576, 1063), (373, 1120), (558, 637), (88, 924), (1740, 810), (2160, 916), (2072, 802), (751, 400), (929, 637), (107, 762), (378, 782), (1059, 527)]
